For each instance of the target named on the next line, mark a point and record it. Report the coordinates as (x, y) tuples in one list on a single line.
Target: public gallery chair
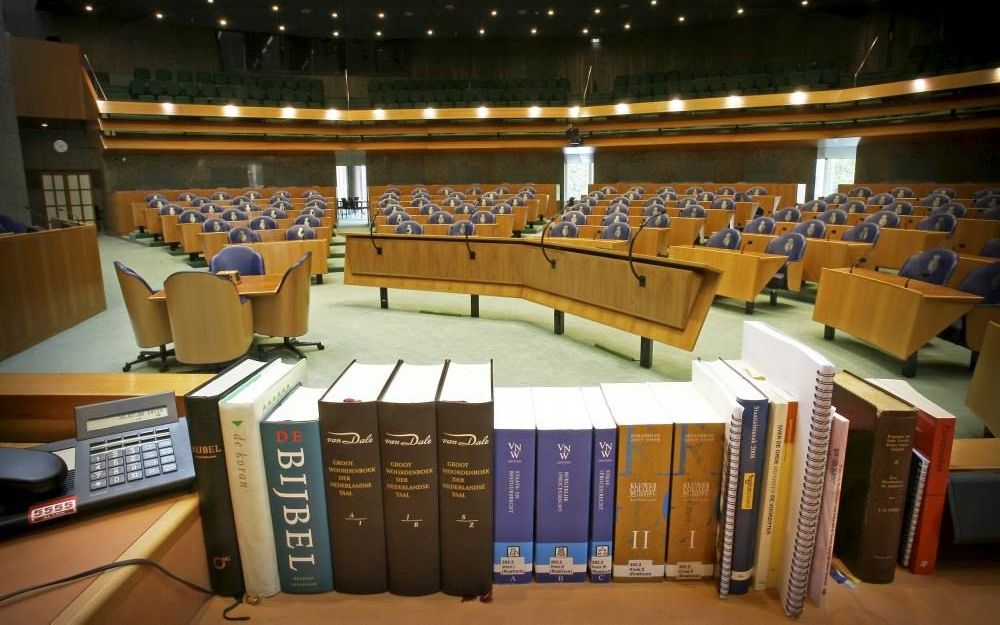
[(934, 266), (245, 260), (939, 222), (971, 328), (286, 314), (242, 234), (791, 214), (833, 216), (863, 232), (727, 239), (811, 229), (792, 245), (564, 229), (10, 224), (884, 219), (194, 297), (980, 194), (760, 225), (150, 322), (991, 249), (300, 232)]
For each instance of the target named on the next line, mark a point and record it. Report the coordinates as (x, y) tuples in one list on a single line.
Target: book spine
[(783, 496), (914, 500), (694, 502), (353, 479), (214, 502), (925, 544), (883, 518), (514, 506), (829, 509), (465, 469), (294, 468), (562, 499), (730, 482), (251, 509), (407, 435), (769, 498), (753, 448), (602, 505), (642, 502), (807, 514)]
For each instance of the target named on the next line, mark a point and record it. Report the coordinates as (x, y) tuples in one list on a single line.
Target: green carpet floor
[(426, 327)]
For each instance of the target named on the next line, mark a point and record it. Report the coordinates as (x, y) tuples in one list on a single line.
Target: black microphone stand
[(631, 244)]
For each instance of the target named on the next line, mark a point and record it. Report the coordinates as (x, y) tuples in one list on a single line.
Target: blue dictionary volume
[(514, 486), (562, 485), (602, 485), (293, 464)]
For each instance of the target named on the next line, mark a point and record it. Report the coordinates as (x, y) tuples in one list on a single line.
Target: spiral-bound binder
[(918, 481), (806, 375)]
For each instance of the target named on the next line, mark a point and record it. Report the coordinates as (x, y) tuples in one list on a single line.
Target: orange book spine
[(932, 437)]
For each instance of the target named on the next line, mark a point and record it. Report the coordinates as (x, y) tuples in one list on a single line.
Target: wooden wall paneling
[(46, 79)]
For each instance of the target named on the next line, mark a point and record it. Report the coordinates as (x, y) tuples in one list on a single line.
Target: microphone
[(631, 244), (923, 278), (863, 259), (472, 255), (569, 204), (371, 231)]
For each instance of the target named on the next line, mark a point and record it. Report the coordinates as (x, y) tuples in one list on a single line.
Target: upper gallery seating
[(468, 93), (185, 86)]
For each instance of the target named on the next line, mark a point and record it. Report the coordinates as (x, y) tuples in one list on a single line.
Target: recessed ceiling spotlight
[(89, 8), (798, 97), (628, 26), (585, 31), (159, 15), (335, 15), (597, 10), (379, 113), (222, 21), (45, 125), (281, 27), (622, 108), (739, 10), (275, 8), (805, 3), (336, 33), (429, 112), (430, 32), (551, 12), (534, 111), (332, 114), (534, 31), (494, 12), (211, 1), (652, 3), (381, 15), (680, 18), (378, 33), (288, 112), (595, 40), (482, 31), (482, 111)]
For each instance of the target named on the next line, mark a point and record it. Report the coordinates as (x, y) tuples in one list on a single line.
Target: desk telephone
[(125, 451)]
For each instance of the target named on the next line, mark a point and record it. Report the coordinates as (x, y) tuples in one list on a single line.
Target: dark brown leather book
[(465, 466), (348, 419), (876, 474), (407, 424)]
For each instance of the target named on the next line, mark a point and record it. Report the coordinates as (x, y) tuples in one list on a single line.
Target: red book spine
[(932, 437)]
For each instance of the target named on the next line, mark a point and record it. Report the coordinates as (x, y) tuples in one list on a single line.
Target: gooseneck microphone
[(631, 244), (371, 231), (863, 259), (569, 204)]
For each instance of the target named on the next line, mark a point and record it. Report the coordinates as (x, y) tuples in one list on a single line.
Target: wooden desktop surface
[(820, 253), (744, 275), (892, 313), (594, 284), (982, 395), (895, 246), (249, 286)]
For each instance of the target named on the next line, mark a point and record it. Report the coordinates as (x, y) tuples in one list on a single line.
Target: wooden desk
[(249, 286), (982, 395), (966, 264), (744, 275), (972, 234), (38, 407), (213, 242), (895, 246), (138, 210), (594, 284), (896, 315), (819, 254)]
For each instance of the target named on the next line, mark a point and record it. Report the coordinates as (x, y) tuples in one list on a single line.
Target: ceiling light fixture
[(336, 33), (275, 8), (494, 12), (622, 108), (381, 15), (574, 111), (281, 27), (734, 101), (680, 18), (159, 15), (335, 15), (628, 26), (676, 105), (430, 113), (595, 40), (805, 3), (89, 8), (45, 125), (378, 33), (482, 31), (288, 112), (597, 10), (332, 114), (739, 10), (798, 97), (430, 32), (482, 111), (211, 1), (551, 12), (585, 31), (652, 3), (379, 113), (230, 110), (222, 21), (534, 31), (534, 111)]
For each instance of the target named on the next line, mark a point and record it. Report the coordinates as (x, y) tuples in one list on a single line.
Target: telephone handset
[(125, 451)]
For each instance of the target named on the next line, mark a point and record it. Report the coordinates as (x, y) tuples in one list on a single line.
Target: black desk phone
[(125, 451)]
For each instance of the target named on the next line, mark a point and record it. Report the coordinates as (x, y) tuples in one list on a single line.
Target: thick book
[(695, 479), (348, 419), (827, 531), (642, 492), (914, 499), (514, 493), (774, 479), (240, 413), (933, 436), (201, 405), (807, 376), (602, 485), (562, 484), (751, 479), (876, 472), (293, 464), (407, 425), (465, 470)]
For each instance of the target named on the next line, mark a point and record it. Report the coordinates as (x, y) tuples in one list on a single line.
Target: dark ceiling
[(463, 18)]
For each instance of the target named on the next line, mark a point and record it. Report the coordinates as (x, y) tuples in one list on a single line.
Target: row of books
[(415, 479)]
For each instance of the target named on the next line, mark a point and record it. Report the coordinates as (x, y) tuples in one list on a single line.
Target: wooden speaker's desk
[(894, 314), (895, 246), (744, 275), (594, 284)]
